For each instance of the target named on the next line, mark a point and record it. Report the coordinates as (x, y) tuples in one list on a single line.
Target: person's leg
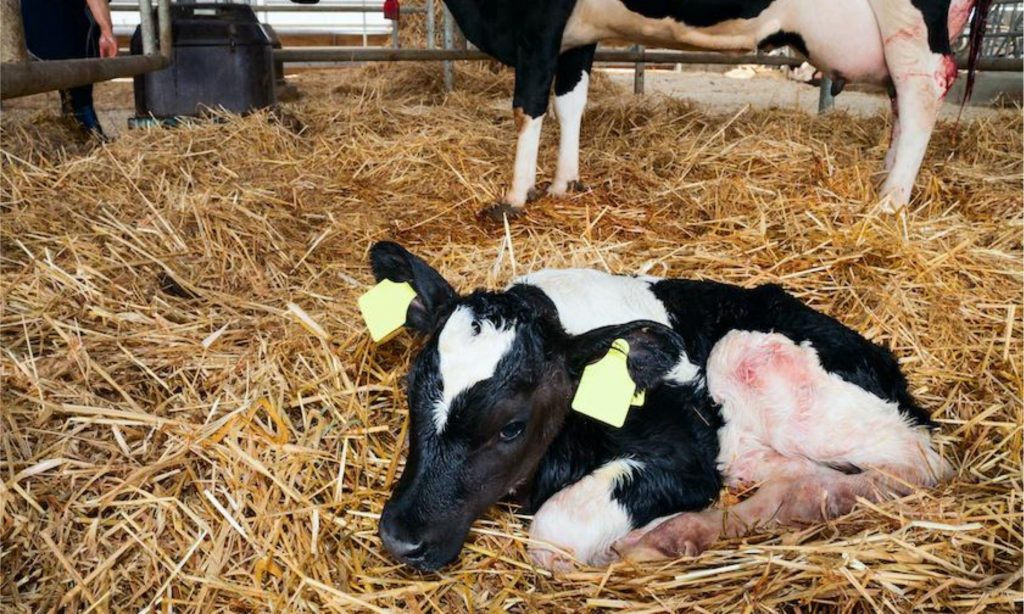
[(81, 97)]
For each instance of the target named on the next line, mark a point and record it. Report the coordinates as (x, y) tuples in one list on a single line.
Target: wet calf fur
[(741, 386)]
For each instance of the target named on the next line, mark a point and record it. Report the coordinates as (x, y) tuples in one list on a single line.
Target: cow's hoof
[(894, 199), (572, 187), (533, 194), (497, 212), (891, 205)]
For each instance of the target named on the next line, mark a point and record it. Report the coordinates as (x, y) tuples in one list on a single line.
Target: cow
[(743, 387), (904, 45)]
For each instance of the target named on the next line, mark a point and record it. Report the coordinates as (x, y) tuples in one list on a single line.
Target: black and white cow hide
[(744, 386)]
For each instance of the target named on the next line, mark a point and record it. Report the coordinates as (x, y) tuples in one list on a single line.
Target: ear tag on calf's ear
[(606, 390), (638, 398), (384, 308)]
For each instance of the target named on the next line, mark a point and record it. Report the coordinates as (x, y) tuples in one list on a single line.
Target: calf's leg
[(811, 440), (583, 520), (800, 493)]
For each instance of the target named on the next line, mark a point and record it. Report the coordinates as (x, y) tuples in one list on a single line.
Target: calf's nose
[(403, 549)]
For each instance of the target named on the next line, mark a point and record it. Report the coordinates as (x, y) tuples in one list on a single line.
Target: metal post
[(638, 72), (166, 40), (825, 98), (449, 68), (394, 33), (148, 29), (430, 24)]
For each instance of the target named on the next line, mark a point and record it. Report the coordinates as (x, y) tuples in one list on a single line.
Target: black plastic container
[(221, 59)]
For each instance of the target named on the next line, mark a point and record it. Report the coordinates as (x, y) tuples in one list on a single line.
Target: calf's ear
[(433, 294), (654, 349)]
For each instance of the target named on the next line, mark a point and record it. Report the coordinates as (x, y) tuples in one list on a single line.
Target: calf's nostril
[(400, 548), (417, 551)]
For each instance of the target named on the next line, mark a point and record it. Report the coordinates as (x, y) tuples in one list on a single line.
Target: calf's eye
[(512, 430)]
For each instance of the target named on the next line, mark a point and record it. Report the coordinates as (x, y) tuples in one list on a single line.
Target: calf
[(745, 386)]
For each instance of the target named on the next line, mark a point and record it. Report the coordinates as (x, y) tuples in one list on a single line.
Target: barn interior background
[(177, 435)]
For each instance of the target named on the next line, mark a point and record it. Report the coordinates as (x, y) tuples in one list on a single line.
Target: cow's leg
[(583, 520), (922, 69), (535, 70), (571, 81)]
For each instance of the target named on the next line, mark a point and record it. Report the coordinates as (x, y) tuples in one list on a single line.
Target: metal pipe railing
[(26, 78)]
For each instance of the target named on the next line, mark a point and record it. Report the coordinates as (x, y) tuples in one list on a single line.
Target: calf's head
[(488, 393)]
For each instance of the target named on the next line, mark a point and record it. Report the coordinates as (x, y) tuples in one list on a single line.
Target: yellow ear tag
[(384, 308), (638, 398), (606, 390)]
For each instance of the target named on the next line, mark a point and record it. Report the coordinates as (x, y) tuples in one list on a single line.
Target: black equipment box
[(221, 59)]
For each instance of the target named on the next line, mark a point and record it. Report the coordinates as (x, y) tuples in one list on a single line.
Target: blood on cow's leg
[(571, 82), (813, 441), (922, 68)]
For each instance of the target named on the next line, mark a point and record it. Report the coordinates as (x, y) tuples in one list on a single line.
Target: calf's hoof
[(550, 560), (497, 212), (682, 535)]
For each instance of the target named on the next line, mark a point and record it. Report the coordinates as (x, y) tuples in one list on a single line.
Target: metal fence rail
[(33, 77)]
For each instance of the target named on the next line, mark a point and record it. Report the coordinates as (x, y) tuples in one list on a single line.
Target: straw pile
[(178, 437)]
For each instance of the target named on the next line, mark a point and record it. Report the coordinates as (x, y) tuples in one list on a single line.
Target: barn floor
[(175, 438)]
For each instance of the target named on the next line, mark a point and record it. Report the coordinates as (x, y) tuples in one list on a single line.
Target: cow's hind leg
[(571, 82), (922, 69)]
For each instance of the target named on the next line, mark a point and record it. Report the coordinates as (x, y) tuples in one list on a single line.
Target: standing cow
[(747, 385), (904, 44)]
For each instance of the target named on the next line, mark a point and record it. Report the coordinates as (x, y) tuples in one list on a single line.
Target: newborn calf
[(746, 385)]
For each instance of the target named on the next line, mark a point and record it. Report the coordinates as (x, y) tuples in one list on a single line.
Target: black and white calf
[(743, 386), (904, 44)]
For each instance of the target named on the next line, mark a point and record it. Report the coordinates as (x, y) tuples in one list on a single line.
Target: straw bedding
[(177, 436)]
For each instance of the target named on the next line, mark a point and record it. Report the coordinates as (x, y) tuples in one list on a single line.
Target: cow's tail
[(978, 22)]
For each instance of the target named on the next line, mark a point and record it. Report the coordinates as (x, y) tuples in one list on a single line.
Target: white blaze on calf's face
[(469, 351)]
